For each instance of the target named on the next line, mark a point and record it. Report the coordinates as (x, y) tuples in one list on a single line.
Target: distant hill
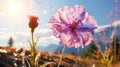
[(108, 30), (58, 48), (49, 48)]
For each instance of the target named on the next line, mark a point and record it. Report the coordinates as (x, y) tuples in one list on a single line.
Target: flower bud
[(33, 22)]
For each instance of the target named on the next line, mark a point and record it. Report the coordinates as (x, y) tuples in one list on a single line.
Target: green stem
[(33, 50), (61, 56)]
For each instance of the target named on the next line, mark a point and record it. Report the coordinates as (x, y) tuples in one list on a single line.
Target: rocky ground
[(12, 57)]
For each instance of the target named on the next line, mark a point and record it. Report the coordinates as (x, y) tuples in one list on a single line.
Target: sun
[(15, 8)]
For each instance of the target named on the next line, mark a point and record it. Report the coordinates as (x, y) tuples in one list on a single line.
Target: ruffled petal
[(73, 26), (85, 37), (92, 21), (63, 15), (66, 39)]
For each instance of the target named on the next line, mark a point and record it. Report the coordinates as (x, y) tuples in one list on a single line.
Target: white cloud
[(44, 41), (22, 33), (101, 28), (4, 35), (15, 35), (20, 36), (43, 31), (21, 44), (49, 39), (116, 23)]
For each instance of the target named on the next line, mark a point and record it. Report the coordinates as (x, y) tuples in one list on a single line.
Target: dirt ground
[(116, 64)]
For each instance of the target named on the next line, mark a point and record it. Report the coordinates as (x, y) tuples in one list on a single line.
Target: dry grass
[(116, 64), (68, 60)]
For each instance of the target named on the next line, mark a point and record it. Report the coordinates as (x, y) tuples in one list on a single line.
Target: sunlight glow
[(15, 8)]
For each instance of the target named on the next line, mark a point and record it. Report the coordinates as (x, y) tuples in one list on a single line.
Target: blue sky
[(14, 20)]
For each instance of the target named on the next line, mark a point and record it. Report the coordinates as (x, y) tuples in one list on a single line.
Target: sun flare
[(15, 8)]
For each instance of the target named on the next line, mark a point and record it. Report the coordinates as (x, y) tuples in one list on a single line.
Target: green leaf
[(37, 57), (30, 43), (37, 40), (47, 63), (31, 47), (111, 58)]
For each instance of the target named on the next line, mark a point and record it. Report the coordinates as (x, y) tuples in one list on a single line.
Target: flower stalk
[(61, 56), (33, 50), (33, 24)]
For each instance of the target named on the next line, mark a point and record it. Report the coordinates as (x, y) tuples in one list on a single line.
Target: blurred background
[(14, 21)]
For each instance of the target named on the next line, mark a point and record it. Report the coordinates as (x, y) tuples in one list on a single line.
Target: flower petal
[(66, 39), (87, 26), (85, 36), (73, 26)]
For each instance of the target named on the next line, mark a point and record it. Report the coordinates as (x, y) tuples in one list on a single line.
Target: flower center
[(73, 26)]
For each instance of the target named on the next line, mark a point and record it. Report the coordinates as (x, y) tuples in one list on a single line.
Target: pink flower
[(73, 26)]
